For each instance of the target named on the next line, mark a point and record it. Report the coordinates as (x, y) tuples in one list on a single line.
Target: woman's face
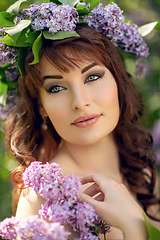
[(82, 104)]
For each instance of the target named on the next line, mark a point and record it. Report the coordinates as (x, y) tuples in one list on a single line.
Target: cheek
[(108, 96), (50, 106)]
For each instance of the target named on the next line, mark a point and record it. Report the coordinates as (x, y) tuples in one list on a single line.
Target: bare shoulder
[(29, 203), (65, 162)]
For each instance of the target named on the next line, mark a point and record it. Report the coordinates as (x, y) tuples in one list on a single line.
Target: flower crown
[(25, 29)]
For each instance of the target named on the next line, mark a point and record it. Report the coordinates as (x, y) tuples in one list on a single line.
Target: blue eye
[(94, 77), (54, 89)]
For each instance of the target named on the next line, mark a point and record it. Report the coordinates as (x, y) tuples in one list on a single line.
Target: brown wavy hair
[(28, 142)]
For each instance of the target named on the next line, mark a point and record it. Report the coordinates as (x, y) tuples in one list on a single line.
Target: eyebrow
[(53, 77), (60, 77), (88, 67)]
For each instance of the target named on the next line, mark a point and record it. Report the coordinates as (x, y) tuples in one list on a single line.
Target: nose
[(81, 98)]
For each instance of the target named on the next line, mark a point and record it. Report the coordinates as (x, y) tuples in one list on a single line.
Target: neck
[(100, 157)]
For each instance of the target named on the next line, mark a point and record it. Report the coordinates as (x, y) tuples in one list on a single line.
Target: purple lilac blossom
[(85, 217), (62, 197), (43, 179), (32, 228), (110, 21), (37, 229), (87, 236), (50, 16), (12, 73), (56, 211), (141, 70), (7, 54), (8, 228), (71, 188)]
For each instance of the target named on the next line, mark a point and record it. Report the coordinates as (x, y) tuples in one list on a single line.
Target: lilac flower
[(49, 15), (62, 197), (86, 216), (62, 206), (56, 211), (141, 70), (7, 54), (31, 228), (8, 228), (32, 11), (44, 178), (12, 73), (110, 21), (71, 188), (37, 229), (87, 236)]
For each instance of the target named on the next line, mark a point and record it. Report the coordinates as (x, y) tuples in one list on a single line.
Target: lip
[(86, 121)]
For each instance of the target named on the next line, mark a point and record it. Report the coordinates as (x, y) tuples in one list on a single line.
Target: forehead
[(67, 56), (49, 67)]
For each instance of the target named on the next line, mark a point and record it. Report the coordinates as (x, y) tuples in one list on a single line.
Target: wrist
[(135, 229)]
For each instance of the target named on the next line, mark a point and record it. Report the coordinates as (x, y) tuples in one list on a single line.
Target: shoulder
[(29, 203), (66, 162)]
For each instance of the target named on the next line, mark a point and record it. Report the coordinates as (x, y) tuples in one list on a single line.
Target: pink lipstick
[(86, 121)]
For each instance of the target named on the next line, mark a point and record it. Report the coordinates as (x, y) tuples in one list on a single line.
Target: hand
[(115, 205)]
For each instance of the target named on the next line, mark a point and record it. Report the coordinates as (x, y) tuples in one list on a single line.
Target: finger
[(100, 197), (85, 198), (99, 179), (87, 179), (92, 190)]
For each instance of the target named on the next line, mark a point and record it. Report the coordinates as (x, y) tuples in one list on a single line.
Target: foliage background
[(140, 12)]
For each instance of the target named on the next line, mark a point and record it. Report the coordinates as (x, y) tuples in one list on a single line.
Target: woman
[(80, 109), (91, 111)]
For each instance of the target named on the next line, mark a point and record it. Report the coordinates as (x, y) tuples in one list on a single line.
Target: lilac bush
[(62, 206)]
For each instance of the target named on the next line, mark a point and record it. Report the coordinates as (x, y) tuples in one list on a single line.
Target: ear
[(42, 111)]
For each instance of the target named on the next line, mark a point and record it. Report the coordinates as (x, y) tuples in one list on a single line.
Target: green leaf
[(59, 35), (32, 36), (71, 3), (22, 40), (129, 61), (36, 48), (93, 3), (2, 74), (4, 21), (7, 40), (157, 26), (15, 31), (14, 8), (147, 28), (23, 51), (46, 1), (82, 10), (154, 233), (55, 1), (130, 65), (3, 93)]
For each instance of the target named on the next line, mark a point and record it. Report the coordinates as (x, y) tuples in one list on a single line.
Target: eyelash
[(51, 89), (93, 77), (97, 75)]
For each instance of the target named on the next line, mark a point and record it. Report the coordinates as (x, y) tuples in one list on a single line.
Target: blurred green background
[(140, 12)]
